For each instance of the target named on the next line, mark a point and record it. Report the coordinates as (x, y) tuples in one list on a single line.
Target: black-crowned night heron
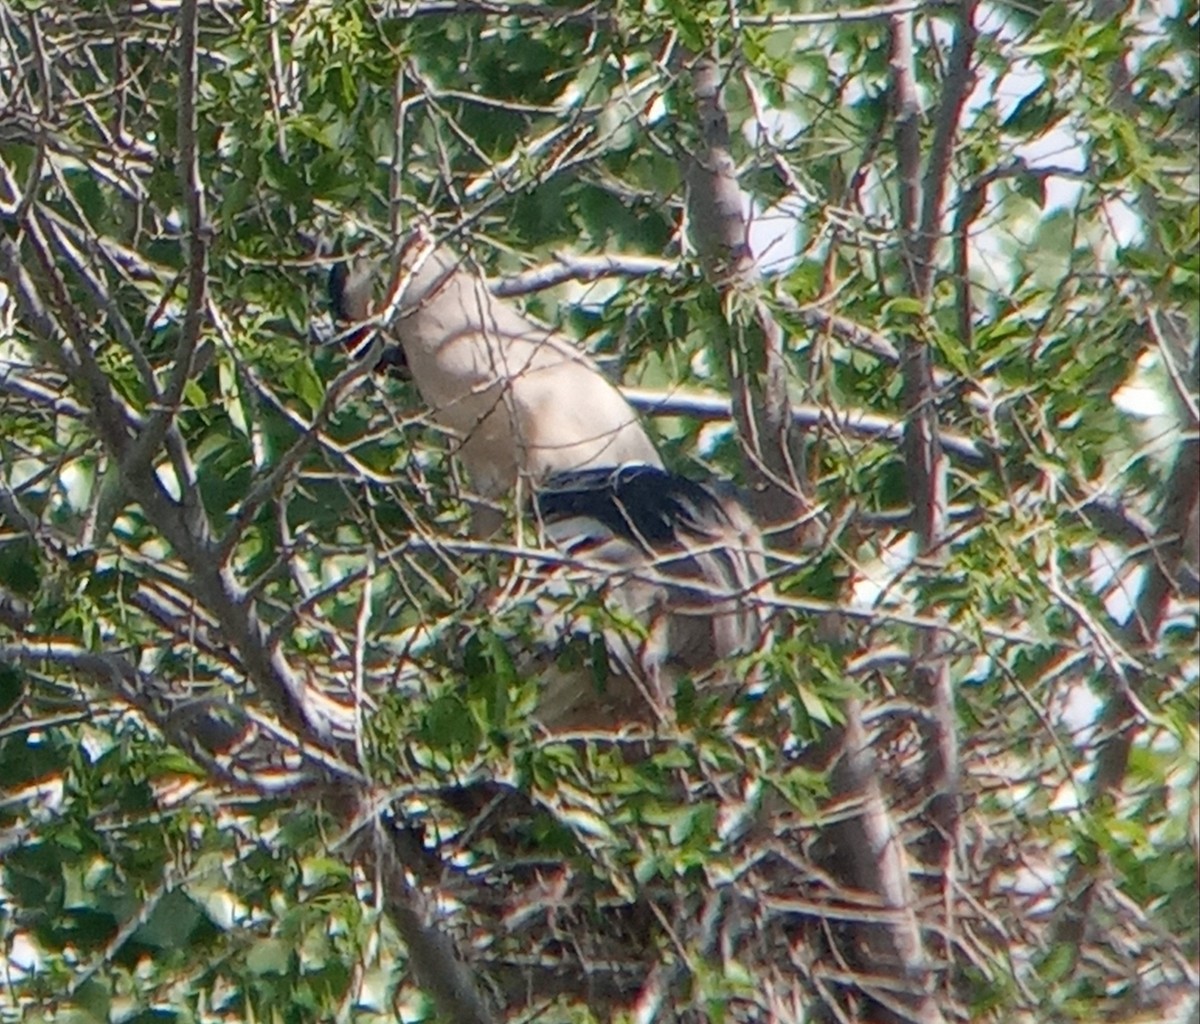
[(537, 421)]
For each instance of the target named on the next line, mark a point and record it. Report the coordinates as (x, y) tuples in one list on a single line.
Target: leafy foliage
[(202, 515)]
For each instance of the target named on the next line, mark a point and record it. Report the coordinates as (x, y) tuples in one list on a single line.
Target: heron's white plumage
[(523, 400)]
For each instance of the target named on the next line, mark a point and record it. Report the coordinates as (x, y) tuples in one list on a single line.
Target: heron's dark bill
[(350, 302)]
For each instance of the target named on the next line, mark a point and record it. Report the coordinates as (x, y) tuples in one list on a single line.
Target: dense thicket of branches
[(922, 277)]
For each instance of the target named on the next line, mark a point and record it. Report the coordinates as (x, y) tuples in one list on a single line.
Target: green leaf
[(20, 571), (952, 352), (449, 726), (1035, 112), (269, 956), (11, 687), (302, 378), (231, 395), (1032, 187), (903, 307)]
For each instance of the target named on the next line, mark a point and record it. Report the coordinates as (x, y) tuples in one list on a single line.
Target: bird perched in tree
[(537, 421)]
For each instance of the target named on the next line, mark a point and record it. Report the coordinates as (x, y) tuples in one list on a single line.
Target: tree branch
[(925, 452), (848, 332), (906, 111), (1176, 537), (957, 87), (203, 737), (571, 267), (855, 423), (595, 13), (268, 487), (1120, 721), (151, 437), (183, 523), (755, 363), (435, 964), (878, 865), (843, 15)]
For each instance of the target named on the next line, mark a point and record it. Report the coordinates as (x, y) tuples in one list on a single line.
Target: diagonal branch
[(269, 486), (62, 333), (957, 87), (436, 966)]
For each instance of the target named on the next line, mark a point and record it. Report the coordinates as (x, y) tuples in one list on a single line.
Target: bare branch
[(183, 524), (123, 681), (434, 962), (75, 356), (1177, 534), (571, 267), (957, 86), (268, 487), (925, 453), (757, 370), (906, 109), (15, 383), (844, 329), (879, 865), (595, 13), (843, 15), (1121, 719), (1171, 342), (152, 435), (855, 423)]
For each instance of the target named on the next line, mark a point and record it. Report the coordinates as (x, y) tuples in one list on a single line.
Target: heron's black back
[(643, 503)]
